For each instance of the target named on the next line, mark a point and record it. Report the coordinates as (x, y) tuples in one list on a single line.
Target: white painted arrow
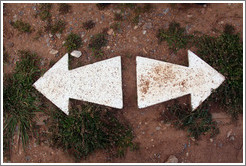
[(100, 83), (159, 81)]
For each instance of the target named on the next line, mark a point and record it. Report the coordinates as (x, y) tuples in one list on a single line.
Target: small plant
[(97, 42), (73, 42), (89, 24), (58, 27), (118, 17), (88, 128), (175, 36), (64, 8), (225, 54), (195, 123), (135, 20), (116, 26), (102, 6), (19, 99), (38, 34), (5, 56), (21, 26), (44, 11)]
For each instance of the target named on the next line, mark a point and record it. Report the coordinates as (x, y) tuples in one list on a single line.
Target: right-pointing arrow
[(159, 81)]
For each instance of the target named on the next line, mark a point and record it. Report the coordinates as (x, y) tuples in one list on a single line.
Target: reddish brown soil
[(155, 145)]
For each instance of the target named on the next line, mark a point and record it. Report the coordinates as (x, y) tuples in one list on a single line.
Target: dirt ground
[(157, 140)]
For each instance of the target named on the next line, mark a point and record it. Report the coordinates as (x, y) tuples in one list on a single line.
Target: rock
[(158, 128), (118, 11), (76, 53), (165, 11), (82, 34), (144, 32), (172, 159), (58, 35), (50, 35), (42, 62), (15, 18), (53, 52), (110, 31), (135, 27), (232, 138), (10, 44), (63, 42), (27, 158), (108, 47), (211, 140), (147, 25), (193, 139), (189, 15), (85, 40), (229, 133), (187, 28), (135, 39)]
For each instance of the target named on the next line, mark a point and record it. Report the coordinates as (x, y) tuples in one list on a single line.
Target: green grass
[(96, 43), (19, 99), (73, 42), (21, 26), (196, 123), (175, 37), (44, 11), (64, 8), (225, 54), (89, 24), (58, 27), (88, 128)]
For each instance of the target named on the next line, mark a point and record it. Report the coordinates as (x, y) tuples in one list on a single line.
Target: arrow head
[(207, 77), (53, 85)]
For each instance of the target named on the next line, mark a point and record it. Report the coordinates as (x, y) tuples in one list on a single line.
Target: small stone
[(172, 159), (53, 52), (27, 158), (143, 132), (189, 15), (221, 22), (135, 27), (165, 11), (15, 18), (135, 39), (193, 139), (110, 31), (204, 5), (144, 32), (10, 44), (82, 34), (211, 140), (229, 133), (158, 128), (152, 140), (147, 25), (85, 40), (232, 138), (34, 145), (118, 11), (63, 42), (229, 4), (50, 35), (108, 47), (76, 53), (187, 154), (58, 35)]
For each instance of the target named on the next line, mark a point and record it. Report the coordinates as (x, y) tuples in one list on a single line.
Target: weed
[(225, 54), (116, 26), (21, 26), (73, 42), (97, 42), (44, 11), (118, 17), (88, 128), (196, 123), (58, 27), (89, 24), (38, 34), (19, 100), (102, 6), (64, 8), (175, 37)]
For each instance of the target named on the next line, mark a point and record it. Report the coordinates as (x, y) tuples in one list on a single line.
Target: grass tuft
[(44, 11), (97, 42), (196, 123), (175, 37), (58, 27), (73, 42), (225, 54), (89, 24), (21, 26), (64, 8), (19, 99), (88, 128)]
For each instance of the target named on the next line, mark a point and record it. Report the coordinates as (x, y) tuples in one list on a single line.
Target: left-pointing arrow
[(99, 83)]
